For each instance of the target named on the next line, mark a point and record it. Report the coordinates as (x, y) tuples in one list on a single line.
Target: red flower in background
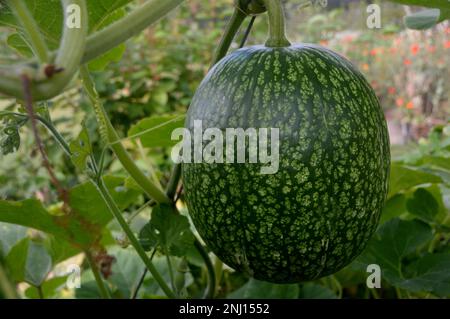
[(373, 52), (410, 105), (415, 48), (407, 62), (447, 45), (392, 90), (399, 101), (431, 48)]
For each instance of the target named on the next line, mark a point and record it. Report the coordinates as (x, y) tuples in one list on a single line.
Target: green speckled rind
[(316, 214)]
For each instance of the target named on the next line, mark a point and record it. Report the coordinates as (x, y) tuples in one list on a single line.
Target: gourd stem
[(231, 29), (277, 25)]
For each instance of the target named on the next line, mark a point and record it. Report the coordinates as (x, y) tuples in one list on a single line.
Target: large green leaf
[(168, 230), (394, 241), (126, 271), (17, 259), (394, 207), (256, 289), (38, 265), (312, 290), (403, 178), (9, 236), (84, 225), (431, 273), (49, 288), (156, 131), (425, 19), (423, 205)]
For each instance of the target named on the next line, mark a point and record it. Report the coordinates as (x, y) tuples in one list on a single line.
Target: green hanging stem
[(277, 25)]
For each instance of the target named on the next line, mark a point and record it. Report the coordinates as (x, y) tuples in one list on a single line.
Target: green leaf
[(312, 290), (84, 226), (49, 288), (38, 264), (167, 229), (423, 20), (423, 205), (431, 274), (16, 42), (123, 195), (88, 290), (403, 178), (9, 132), (395, 240), (81, 149), (256, 289), (156, 131), (394, 207), (126, 271), (10, 235), (30, 213), (60, 250), (16, 260)]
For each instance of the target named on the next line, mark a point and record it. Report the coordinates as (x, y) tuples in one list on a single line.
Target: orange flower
[(415, 49), (323, 42), (348, 38), (447, 45), (373, 52), (365, 67), (410, 105), (399, 101), (391, 90), (407, 62)]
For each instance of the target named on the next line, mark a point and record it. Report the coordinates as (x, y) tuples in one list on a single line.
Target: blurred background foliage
[(157, 77)]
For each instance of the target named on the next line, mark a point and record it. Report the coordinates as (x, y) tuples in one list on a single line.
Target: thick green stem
[(68, 58), (132, 238), (136, 21), (277, 24), (109, 133), (232, 28), (31, 29), (96, 44), (104, 293)]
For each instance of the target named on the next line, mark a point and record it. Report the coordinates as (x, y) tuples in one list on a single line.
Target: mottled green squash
[(316, 214)]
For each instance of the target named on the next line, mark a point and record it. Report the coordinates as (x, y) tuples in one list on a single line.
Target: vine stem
[(68, 58), (111, 137), (24, 16), (104, 293), (132, 238), (231, 29), (85, 48), (277, 24)]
